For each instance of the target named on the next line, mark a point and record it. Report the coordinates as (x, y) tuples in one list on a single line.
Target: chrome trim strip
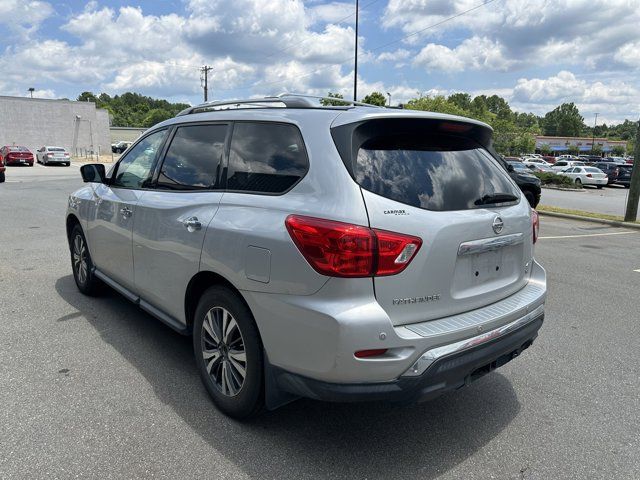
[(489, 244), (430, 356)]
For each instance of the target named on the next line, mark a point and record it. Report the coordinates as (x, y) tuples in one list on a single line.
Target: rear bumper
[(18, 162), (446, 373)]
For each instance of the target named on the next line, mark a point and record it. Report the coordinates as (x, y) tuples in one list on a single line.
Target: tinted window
[(435, 173), (193, 159), (133, 170), (265, 157), (592, 170)]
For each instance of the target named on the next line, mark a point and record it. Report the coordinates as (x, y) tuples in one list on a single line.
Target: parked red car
[(549, 159), (16, 155), (2, 169)]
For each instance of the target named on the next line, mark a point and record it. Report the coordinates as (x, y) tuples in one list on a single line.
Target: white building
[(35, 122)]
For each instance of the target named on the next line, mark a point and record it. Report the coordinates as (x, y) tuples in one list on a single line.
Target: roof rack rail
[(289, 100)]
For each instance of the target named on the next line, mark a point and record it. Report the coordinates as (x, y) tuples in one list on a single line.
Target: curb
[(563, 189), (614, 223)]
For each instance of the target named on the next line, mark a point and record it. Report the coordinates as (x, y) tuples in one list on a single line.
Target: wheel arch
[(72, 221), (198, 284)]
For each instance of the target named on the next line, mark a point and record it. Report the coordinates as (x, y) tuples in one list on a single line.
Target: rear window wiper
[(495, 198)]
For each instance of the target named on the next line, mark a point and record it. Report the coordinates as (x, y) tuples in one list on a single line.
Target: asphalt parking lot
[(611, 200), (95, 388)]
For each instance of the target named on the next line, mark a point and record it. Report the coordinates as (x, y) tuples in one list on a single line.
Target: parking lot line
[(637, 270), (588, 235)]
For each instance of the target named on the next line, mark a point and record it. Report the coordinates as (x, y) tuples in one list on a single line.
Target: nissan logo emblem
[(498, 225)]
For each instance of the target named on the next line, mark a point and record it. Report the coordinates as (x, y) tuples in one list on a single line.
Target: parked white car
[(586, 176), (561, 165), (535, 160)]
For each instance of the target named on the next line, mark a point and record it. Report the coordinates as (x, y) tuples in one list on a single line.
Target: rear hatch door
[(435, 180)]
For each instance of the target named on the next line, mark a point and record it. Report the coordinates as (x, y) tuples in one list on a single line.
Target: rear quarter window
[(265, 158)]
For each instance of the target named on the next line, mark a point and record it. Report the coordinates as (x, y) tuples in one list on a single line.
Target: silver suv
[(341, 253)]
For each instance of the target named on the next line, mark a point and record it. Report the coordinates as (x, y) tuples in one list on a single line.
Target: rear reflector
[(340, 249), (535, 224), (375, 352)]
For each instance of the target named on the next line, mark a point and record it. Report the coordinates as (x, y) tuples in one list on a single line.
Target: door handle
[(126, 212), (192, 224)]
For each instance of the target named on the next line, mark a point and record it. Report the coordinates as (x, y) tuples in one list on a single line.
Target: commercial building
[(34, 122), (584, 144), (125, 134)]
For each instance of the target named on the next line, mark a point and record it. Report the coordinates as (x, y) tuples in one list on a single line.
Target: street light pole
[(593, 139), (355, 70), (389, 98)]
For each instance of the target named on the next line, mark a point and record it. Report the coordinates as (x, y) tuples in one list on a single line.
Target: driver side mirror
[(510, 168), (93, 172)]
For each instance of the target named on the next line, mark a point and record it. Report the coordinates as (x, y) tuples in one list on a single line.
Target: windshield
[(18, 149), (55, 149)]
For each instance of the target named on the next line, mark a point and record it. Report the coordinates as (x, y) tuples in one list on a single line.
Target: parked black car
[(611, 169), (624, 175), (529, 184)]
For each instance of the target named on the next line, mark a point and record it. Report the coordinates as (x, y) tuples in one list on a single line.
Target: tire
[(81, 263), (236, 396), (68, 164), (530, 198), (599, 187), (578, 182), (2, 177)]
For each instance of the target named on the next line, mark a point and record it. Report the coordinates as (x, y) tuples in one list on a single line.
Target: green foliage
[(334, 103), (132, 109), (461, 100), (597, 149), (564, 120), (439, 104), (573, 150), (548, 178), (618, 150), (375, 98), (545, 149), (156, 115)]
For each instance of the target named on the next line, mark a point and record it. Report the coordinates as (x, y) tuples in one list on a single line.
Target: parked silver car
[(340, 253)]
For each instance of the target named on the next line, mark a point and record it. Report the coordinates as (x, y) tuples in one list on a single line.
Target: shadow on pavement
[(304, 438)]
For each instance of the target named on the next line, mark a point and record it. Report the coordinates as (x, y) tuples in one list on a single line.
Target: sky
[(536, 53)]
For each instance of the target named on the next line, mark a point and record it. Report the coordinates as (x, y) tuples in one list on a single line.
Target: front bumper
[(448, 372)]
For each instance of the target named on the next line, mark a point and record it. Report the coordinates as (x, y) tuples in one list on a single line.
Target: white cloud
[(332, 12), (23, 17), (472, 54), (584, 33), (399, 55)]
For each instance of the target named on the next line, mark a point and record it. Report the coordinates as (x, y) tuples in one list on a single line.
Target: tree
[(499, 106), (545, 149), (334, 103), (461, 100), (618, 150), (564, 121), (573, 150), (436, 104), (156, 115), (87, 97), (375, 98), (597, 149)]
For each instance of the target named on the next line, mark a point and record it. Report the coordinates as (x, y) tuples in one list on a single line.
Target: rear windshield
[(433, 172), (18, 149), (55, 149), (592, 170)]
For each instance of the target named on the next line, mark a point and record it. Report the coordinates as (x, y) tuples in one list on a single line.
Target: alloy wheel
[(223, 351), (80, 259)]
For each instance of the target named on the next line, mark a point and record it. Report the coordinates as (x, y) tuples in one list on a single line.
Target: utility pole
[(204, 79), (355, 70), (593, 139), (631, 214)]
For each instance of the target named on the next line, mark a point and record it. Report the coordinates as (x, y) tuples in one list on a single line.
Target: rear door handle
[(192, 224), (126, 212)]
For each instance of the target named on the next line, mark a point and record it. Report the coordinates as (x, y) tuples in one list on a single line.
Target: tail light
[(535, 225), (589, 175), (66, 154), (340, 249)]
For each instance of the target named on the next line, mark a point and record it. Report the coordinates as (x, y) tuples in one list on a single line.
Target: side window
[(265, 157), (193, 159), (133, 170)]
